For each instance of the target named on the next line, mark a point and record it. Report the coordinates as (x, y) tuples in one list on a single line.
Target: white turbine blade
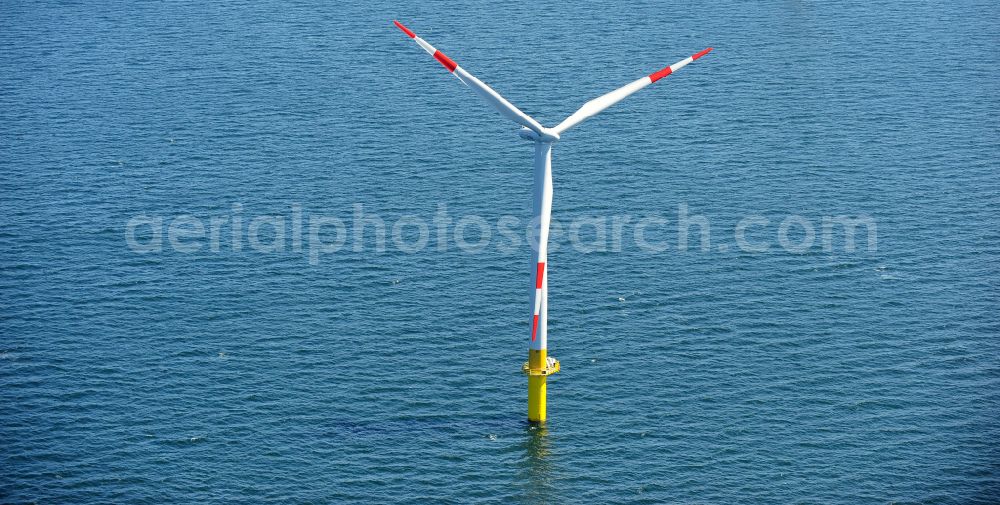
[(500, 103), (487, 93), (602, 102)]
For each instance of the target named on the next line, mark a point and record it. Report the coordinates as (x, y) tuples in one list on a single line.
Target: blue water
[(718, 376)]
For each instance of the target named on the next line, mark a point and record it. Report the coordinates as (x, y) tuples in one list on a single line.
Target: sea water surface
[(705, 376)]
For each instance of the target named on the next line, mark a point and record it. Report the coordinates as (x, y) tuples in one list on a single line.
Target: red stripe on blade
[(534, 328), (656, 76), (446, 61), (405, 29), (538, 275), (699, 55)]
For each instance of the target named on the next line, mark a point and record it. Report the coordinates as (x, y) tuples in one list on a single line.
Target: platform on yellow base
[(538, 368)]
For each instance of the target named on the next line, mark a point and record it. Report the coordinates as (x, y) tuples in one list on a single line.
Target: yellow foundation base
[(538, 368), (536, 398)]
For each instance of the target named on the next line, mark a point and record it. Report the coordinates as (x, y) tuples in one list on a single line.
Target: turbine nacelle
[(547, 135)]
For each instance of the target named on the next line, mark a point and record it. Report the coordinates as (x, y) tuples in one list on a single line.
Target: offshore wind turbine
[(539, 366)]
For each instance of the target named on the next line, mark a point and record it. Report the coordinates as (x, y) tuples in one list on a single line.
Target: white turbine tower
[(539, 366)]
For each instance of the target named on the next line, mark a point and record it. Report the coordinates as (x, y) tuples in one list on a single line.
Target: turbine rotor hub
[(547, 135)]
